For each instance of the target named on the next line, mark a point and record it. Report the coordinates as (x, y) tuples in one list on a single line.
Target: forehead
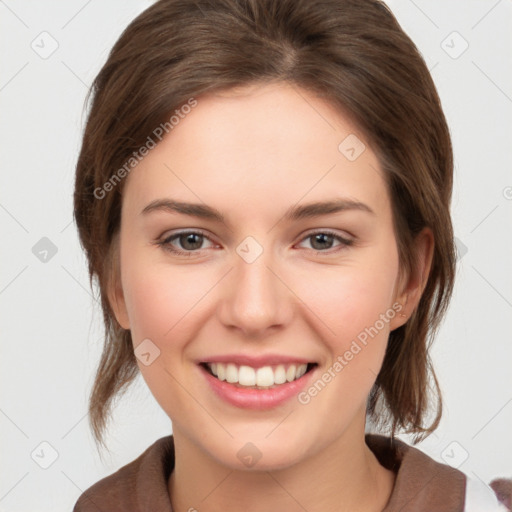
[(260, 146)]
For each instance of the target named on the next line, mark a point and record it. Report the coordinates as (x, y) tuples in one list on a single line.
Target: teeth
[(221, 371), (265, 377), (231, 373), (279, 375), (246, 376)]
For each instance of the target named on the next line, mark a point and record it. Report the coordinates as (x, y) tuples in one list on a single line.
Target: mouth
[(263, 377)]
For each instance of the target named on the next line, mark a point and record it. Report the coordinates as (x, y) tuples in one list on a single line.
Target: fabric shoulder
[(139, 485), (422, 484)]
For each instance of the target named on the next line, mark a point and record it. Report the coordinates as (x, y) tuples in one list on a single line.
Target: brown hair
[(351, 53)]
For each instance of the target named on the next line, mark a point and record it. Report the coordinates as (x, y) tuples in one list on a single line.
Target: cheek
[(162, 299), (353, 308), (162, 303), (348, 299), (158, 299)]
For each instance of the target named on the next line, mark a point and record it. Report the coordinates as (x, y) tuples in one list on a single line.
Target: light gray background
[(51, 326)]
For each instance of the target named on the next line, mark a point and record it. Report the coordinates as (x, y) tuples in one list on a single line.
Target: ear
[(411, 287), (114, 287)]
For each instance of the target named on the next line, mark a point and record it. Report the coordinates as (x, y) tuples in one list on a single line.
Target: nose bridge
[(257, 297)]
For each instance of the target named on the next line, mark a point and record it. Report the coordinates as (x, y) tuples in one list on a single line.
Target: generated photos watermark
[(355, 348)]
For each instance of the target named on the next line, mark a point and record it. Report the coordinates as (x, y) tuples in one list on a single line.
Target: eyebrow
[(294, 213)]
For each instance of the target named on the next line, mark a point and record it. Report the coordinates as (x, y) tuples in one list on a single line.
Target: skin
[(252, 153)]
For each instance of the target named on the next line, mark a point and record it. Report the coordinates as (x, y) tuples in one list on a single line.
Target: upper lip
[(256, 361)]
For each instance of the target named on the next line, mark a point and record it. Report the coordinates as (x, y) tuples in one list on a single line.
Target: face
[(268, 283)]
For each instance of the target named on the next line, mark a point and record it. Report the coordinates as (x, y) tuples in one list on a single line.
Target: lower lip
[(257, 399)]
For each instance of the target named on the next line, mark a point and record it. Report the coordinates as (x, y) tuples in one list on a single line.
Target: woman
[(263, 195)]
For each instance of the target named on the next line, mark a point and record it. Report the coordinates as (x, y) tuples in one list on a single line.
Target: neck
[(345, 476)]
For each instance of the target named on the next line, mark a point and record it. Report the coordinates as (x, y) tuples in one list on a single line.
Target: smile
[(264, 377)]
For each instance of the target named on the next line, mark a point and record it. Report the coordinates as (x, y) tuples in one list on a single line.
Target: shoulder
[(423, 484), (139, 485)]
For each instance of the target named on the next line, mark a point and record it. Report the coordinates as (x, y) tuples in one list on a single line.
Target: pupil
[(321, 237), (189, 238)]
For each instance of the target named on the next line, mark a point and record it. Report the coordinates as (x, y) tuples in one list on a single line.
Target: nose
[(256, 299)]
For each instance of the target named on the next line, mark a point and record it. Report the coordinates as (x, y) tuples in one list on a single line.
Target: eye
[(323, 240), (190, 241)]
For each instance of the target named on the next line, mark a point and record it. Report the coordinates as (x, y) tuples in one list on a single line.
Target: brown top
[(421, 485)]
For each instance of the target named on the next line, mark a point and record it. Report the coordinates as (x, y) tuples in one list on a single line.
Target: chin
[(244, 453)]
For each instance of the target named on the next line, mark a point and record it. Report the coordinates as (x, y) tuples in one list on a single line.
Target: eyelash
[(166, 242)]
